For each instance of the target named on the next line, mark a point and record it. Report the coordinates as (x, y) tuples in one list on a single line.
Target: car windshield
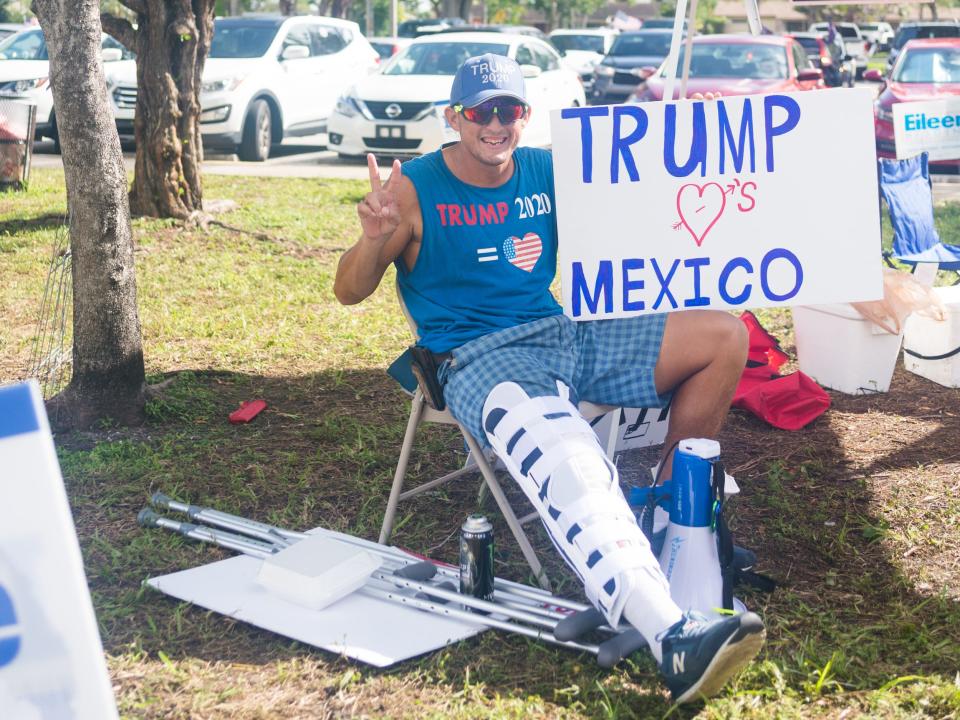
[(661, 23), (847, 31), (236, 40), (439, 58), (109, 42), (591, 43), (756, 62), (933, 65), (870, 27), (31, 45), (924, 31), (650, 45), (24, 46), (811, 44)]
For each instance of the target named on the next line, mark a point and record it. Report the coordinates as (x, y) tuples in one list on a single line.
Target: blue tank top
[(488, 255)]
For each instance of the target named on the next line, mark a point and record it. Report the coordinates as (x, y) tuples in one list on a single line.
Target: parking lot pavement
[(306, 157)]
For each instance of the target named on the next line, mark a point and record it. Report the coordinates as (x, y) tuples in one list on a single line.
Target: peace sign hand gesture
[(379, 210)]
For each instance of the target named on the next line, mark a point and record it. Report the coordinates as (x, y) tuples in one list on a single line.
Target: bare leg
[(702, 357)]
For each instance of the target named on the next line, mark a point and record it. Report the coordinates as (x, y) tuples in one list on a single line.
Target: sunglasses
[(508, 111)]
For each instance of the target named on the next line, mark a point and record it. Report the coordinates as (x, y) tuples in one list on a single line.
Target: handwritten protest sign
[(51, 660), (931, 126), (737, 203)]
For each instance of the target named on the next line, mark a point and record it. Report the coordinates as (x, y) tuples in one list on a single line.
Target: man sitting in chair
[(474, 270)]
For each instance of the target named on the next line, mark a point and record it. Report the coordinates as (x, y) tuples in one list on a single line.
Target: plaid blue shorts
[(603, 361)]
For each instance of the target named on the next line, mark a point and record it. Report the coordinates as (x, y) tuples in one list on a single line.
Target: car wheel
[(257, 137), (54, 134)]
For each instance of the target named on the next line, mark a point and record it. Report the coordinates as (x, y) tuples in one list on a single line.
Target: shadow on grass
[(48, 221), (815, 506)]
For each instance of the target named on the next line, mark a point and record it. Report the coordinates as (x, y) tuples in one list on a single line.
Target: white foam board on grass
[(377, 632)]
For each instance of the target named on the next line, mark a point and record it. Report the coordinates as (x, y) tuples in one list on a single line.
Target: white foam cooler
[(938, 341), (841, 350)]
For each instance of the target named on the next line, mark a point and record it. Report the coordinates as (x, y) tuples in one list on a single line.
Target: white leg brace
[(553, 453)]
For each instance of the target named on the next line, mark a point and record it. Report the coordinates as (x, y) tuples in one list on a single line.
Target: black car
[(617, 74)]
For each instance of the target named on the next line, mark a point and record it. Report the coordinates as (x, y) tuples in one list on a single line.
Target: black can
[(476, 557)]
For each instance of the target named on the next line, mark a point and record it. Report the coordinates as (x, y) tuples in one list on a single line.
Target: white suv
[(399, 111), (583, 50), (267, 78), (25, 74)]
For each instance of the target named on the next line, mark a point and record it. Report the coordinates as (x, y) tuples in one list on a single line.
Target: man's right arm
[(387, 230)]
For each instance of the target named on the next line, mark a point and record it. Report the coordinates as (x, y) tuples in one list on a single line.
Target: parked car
[(739, 65), (583, 49), (25, 74), (918, 30), (853, 41), (617, 75), (878, 34), (267, 78), (387, 47), (425, 26), (661, 23), (925, 70), (828, 55), (399, 111), (8, 29), (528, 30)]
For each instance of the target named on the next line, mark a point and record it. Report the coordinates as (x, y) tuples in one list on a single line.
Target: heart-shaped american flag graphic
[(523, 253)]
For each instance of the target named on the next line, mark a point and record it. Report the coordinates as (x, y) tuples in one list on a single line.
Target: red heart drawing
[(700, 207)]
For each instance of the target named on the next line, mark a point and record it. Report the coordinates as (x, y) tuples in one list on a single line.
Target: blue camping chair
[(906, 186)]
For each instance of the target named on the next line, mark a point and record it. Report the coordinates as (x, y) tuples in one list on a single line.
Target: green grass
[(857, 516), (878, 61)]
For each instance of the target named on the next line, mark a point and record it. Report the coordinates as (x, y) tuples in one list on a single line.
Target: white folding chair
[(477, 461)]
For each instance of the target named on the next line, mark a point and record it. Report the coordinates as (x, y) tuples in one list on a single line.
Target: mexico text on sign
[(741, 202)]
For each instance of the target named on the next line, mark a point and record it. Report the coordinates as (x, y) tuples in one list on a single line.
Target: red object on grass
[(788, 402), (247, 412)]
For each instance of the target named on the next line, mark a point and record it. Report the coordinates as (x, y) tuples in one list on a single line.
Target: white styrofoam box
[(317, 571), (841, 350), (935, 338), (639, 427)]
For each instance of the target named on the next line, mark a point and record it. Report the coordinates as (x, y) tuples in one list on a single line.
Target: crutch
[(573, 618), (429, 598)]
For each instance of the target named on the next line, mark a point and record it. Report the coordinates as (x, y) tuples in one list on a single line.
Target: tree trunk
[(288, 7), (171, 41), (108, 374)]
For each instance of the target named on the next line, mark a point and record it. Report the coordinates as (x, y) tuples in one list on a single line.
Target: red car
[(924, 70), (738, 65)]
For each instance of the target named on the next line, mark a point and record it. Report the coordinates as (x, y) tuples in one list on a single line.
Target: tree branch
[(120, 29), (137, 6)]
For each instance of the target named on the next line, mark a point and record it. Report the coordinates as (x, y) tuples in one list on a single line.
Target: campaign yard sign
[(51, 660), (931, 126), (736, 203)]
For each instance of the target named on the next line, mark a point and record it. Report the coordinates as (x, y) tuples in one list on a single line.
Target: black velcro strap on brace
[(724, 538)]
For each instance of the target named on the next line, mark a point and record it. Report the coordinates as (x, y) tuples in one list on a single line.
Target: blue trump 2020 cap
[(486, 76)]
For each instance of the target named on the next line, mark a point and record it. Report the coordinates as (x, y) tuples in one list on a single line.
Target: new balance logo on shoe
[(679, 662)]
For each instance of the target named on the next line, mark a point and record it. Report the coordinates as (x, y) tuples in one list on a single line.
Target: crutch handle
[(147, 518), (575, 625), (160, 500), (618, 647), (418, 572)]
